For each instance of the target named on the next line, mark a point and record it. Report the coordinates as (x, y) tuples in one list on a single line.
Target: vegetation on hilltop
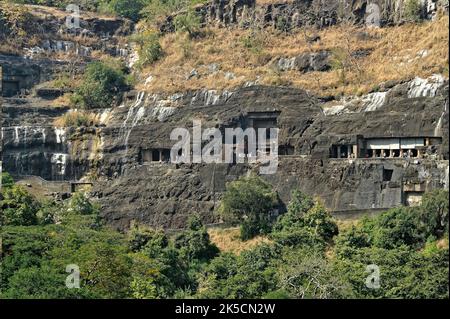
[(361, 58), (303, 257)]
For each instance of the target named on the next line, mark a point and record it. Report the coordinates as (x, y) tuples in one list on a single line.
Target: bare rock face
[(134, 188), (164, 194), (305, 62), (318, 13)]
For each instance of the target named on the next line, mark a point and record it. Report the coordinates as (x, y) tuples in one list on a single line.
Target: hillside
[(347, 172)]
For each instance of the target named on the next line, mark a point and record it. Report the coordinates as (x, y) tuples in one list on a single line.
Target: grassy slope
[(395, 56)]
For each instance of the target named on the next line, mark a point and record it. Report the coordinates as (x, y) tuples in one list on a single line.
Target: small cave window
[(155, 156), (387, 174)]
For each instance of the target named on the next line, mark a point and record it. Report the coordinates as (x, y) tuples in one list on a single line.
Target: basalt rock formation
[(295, 14), (358, 154)]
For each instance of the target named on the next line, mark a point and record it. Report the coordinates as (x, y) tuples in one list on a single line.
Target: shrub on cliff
[(124, 8), (80, 204), (188, 22), (76, 119), (102, 83), (149, 48), (413, 10)]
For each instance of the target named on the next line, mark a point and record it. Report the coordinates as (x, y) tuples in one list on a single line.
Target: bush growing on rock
[(101, 86), (76, 119), (413, 10), (124, 8), (80, 204), (187, 22), (149, 48)]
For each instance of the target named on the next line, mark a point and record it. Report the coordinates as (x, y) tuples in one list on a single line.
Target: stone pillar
[(355, 150), (419, 154), (160, 155), (401, 153), (338, 151), (349, 151), (391, 153)]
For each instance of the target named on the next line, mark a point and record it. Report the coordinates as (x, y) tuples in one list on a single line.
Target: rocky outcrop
[(52, 31), (164, 194), (130, 188), (288, 15), (305, 62)]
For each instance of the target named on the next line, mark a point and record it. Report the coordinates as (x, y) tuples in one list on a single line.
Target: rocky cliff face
[(164, 194), (131, 185), (287, 15)]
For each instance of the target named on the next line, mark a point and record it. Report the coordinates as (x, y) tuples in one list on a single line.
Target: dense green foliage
[(306, 257), (102, 83), (6, 180), (249, 202), (17, 207)]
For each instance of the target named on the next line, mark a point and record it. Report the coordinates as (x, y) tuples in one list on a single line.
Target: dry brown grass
[(346, 224), (443, 243), (227, 240), (76, 118), (394, 56)]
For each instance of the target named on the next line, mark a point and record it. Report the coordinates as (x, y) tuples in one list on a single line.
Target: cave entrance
[(165, 155), (387, 174), (155, 156), (344, 151), (10, 88), (285, 150)]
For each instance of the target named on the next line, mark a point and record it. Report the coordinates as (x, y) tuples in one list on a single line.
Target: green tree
[(100, 87), (413, 10), (252, 274), (18, 207), (306, 222), (6, 180), (80, 204), (149, 48), (188, 21), (146, 278), (40, 283), (433, 213), (308, 274), (194, 243), (249, 201)]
